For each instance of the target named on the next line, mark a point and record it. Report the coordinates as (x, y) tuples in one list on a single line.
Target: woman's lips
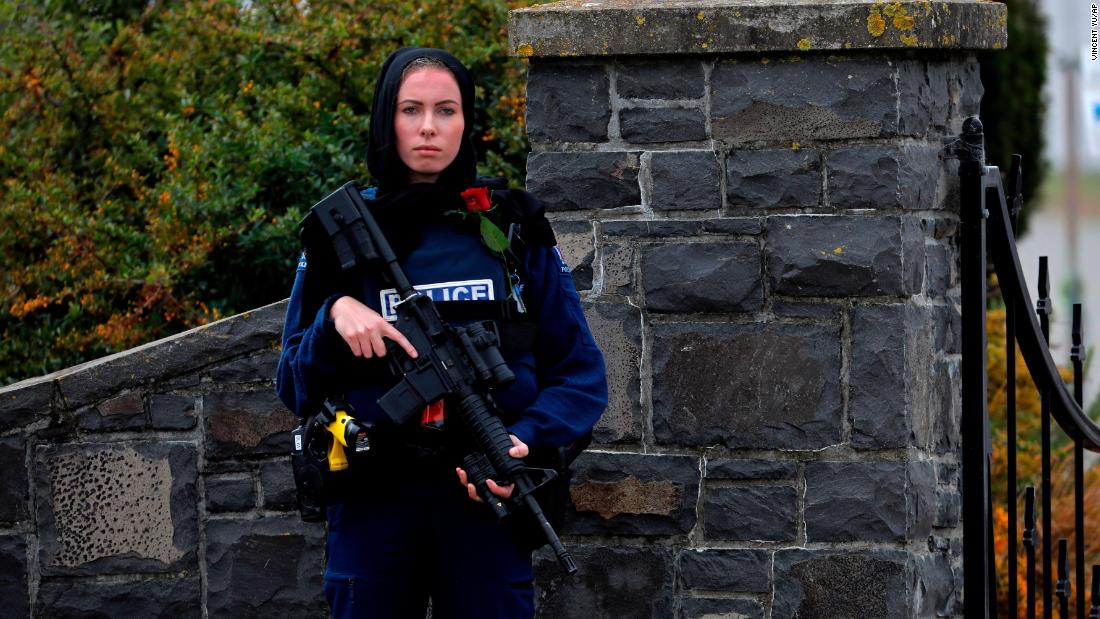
[(427, 149)]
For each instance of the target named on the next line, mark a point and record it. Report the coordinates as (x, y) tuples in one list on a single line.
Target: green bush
[(155, 157)]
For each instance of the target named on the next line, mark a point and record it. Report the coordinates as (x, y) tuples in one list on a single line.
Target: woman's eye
[(447, 111), (408, 110)]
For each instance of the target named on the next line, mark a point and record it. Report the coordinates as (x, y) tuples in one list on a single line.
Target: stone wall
[(156, 482), (754, 201)]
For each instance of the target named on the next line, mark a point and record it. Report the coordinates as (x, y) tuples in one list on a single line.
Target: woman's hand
[(363, 329), (519, 450)]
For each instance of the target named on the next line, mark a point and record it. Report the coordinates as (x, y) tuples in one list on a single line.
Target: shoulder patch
[(561, 260), (302, 262)]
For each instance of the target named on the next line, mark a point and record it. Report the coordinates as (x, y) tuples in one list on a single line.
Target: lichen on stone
[(876, 25), (903, 21)]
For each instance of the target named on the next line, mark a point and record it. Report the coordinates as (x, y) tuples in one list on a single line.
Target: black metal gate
[(989, 220)]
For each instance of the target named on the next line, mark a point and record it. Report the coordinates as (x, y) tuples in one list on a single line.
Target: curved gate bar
[(1002, 244)]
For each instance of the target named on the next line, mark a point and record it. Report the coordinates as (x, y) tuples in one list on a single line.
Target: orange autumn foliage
[(1029, 466)]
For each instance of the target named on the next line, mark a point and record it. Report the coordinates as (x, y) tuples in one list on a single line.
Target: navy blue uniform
[(412, 531)]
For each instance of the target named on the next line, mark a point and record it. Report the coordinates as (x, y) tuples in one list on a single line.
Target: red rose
[(477, 199)]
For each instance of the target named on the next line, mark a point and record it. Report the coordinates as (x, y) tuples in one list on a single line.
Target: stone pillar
[(755, 201)]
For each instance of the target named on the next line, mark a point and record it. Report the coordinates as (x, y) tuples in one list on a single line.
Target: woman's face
[(428, 123)]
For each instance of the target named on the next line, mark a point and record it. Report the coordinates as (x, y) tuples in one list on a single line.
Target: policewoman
[(410, 528)]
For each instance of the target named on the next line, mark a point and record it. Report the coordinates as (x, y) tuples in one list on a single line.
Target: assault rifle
[(458, 364)]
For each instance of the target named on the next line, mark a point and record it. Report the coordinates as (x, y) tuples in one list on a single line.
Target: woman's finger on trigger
[(400, 338)]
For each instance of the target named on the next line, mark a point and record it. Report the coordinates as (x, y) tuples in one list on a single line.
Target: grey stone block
[(26, 401), (726, 570), (122, 412), (648, 79), (951, 545), (936, 589), (844, 256), (247, 423), (810, 311), (923, 104), (611, 581), (774, 178), (649, 228), (665, 228), (263, 568), (913, 243), (633, 494), (164, 597), (574, 181), (964, 91), (947, 328), (878, 176), (940, 272), (176, 355), (734, 225), (716, 384), (685, 180), (172, 412), (944, 229), (827, 583), (617, 329), (14, 597), (277, 480), (946, 406), (14, 486), (947, 473), (948, 508), (617, 261), (219, 467), (107, 508), (662, 124), (868, 501), (704, 608), (576, 243), (230, 494), (750, 513), (728, 468), (567, 102), (814, 98), (702, 277), (890, 375), (260, 366)]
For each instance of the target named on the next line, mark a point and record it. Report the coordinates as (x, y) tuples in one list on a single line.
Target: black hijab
[(383, 161)]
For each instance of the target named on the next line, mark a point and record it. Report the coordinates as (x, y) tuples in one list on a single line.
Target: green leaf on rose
[(492, 236)]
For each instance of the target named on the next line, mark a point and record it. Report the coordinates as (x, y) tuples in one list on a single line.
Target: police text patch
[(468, 290)]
